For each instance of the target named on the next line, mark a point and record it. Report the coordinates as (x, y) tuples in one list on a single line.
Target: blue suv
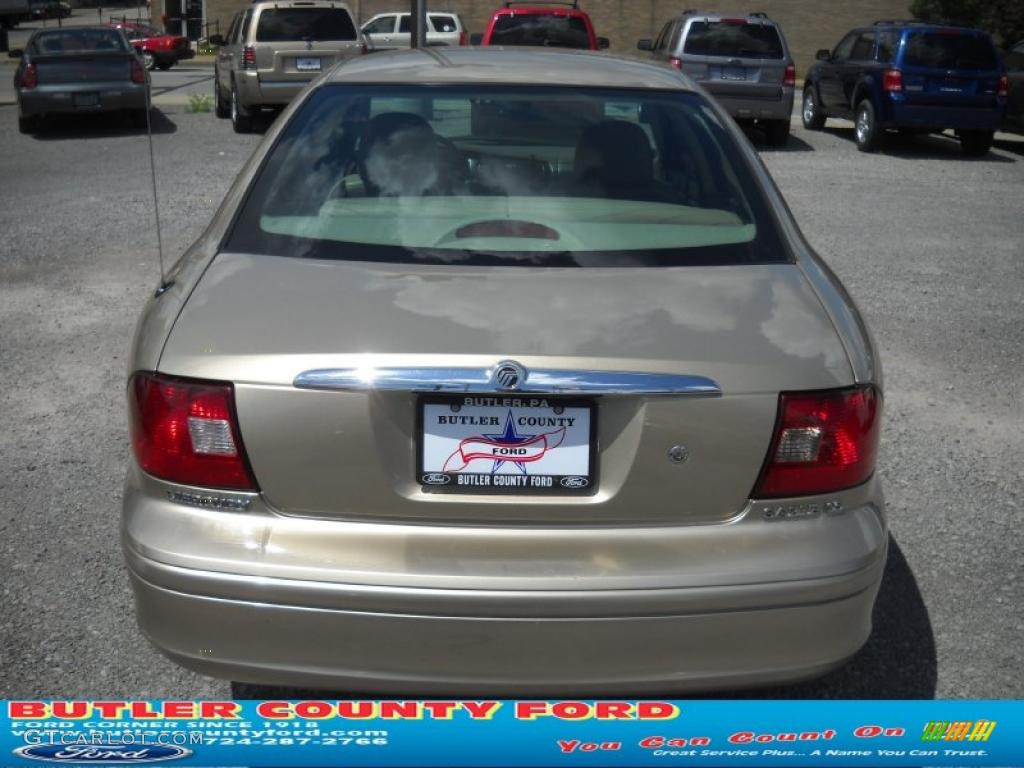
[(911, 76)]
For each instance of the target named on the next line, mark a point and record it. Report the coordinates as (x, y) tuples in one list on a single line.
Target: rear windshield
[(443, 23), (950, 50), (515, 176), (729, 38), (281, 24), (74, 41), (545, 29)]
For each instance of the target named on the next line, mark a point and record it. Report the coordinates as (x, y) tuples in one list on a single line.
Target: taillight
[(248, 57), (29, 76), (364, 48), (789, 78), (463, 38), (824, 442), (892, 81), (676, 62), (186, 431), (1003, 89), (138, 73)]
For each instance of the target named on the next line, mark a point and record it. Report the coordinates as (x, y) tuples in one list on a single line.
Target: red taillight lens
[(463, 38), (138, 73), (248, 57), (1003, 89), (823, 442), (186, 431), (29, 76), (789, 78), (892, 81), (676, 62)]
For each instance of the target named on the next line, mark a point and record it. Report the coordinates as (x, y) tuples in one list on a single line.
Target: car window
[(405, 24), (863, 47), (545, 29), (244, 31), (662, 40), (516, 175), (230, 36), (729, 38), (949, 50), (382, 26), (75, 41), (888, 42), (443, 23), (842, 51), (280, 24)]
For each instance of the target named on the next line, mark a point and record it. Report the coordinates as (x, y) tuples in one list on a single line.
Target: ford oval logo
[(126, 754), (574, 481), (436, 478)]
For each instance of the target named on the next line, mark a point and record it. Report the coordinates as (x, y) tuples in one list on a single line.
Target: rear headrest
[(614, 153)]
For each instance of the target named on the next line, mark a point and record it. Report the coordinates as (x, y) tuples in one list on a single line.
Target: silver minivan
[(743, 61), (273, 49)]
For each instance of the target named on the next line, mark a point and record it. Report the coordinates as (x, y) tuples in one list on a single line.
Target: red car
[(542, 24), (158, 50)]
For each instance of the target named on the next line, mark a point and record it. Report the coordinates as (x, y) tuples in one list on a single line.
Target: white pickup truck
[(386, 31)]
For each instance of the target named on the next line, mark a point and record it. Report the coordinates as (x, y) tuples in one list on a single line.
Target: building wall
[(808, 24)]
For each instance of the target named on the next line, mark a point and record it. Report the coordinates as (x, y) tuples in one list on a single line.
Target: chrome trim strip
[(550, 381)]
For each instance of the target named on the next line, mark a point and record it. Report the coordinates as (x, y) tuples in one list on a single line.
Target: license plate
[(734, 73), (307, 64), (507, 445), (85, 99)]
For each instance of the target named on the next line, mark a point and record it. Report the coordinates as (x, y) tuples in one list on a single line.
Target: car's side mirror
[(216, 39), (476, 38), (603, 42), (645, 45), (823, 55), (16, 53)]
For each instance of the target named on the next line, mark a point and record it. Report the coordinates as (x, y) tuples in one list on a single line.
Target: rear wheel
[(241, 119), (164, 64), (28, 124), (813, 117), (777, 132), (221, 106), (865, 128), (976, 143)]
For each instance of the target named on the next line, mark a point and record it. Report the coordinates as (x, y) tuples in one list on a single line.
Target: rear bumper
[(255, 91), (61, 99), (351, 609), (778, 106), (903, 115)]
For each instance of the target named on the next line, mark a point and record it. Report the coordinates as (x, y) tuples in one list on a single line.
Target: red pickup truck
[(542, 24)]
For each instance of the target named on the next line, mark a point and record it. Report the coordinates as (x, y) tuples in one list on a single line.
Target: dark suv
[(911, 76)]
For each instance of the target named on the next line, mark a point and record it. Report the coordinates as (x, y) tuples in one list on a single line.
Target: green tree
[(1003, 18)]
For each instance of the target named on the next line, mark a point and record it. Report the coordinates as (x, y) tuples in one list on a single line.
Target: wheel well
[(861, 92)]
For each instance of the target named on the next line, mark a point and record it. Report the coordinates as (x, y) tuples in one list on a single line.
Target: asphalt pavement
[(929, 243)]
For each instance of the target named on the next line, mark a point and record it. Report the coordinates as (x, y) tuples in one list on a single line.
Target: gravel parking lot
[(930, 244)]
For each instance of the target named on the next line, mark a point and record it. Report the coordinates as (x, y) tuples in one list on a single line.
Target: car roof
[(749, 18), (509, 66), (539, 10), (924, 26)]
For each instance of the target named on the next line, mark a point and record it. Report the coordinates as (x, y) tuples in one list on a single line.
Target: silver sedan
[(475, 385)]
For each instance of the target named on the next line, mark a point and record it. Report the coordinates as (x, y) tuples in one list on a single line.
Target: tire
[(148, 60), (811, 114), (241, 119), (976, 143), (164, 65), (865, 131), (777, 132), (221, 108)]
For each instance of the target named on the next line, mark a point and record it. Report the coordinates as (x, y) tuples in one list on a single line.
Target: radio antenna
[(164, 285)]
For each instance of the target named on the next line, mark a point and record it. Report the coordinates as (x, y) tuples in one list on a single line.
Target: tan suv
[(273, 49)]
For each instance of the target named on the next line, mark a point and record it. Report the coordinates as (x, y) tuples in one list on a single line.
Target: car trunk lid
[(79, 69), (352, 452), (735, 58), (950, 68)]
